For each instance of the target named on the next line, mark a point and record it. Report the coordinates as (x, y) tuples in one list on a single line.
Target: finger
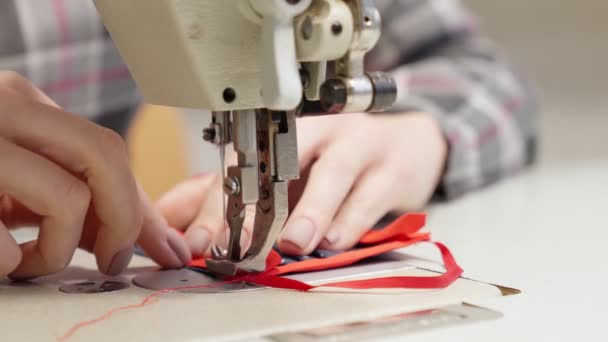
[(208, 227), (372, 198), (331, 179), (96, 154), (161, 243), (313, 134), (10, 253), (296, 189), (15, 214), (60, 198), (181, 205), (22, 87)]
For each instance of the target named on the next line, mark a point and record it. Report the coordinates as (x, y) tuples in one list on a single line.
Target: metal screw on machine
[(209, 134), (231, 186), (334, 96), (218, 253), (337, 28), (218, 132)]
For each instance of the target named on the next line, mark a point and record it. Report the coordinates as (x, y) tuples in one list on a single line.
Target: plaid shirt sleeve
[(444, 67), (62, 47)]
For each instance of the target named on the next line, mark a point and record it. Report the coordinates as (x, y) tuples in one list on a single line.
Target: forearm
[(485, 112), (451, 72)]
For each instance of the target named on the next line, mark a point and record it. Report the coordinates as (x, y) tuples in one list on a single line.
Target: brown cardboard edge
[(504, 290), (507, 291)]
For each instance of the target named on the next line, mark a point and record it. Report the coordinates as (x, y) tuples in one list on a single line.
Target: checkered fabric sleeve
[(62, 47), (444, 67)]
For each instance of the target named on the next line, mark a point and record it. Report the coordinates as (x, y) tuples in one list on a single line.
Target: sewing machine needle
[(223, 172)]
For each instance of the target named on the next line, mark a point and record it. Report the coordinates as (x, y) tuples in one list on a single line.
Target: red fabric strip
[(403, 227), (265, 279), (453, 272), (404, 232), (347, 258)]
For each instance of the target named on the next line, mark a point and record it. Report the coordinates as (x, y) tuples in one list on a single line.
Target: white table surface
[(545, 233)]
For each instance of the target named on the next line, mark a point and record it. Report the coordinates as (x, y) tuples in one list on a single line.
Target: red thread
[(151, 299)]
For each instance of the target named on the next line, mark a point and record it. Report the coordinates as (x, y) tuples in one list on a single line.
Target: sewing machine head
[(255, 64)]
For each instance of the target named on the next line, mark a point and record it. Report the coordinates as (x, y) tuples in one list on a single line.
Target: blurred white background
[(562, 46)]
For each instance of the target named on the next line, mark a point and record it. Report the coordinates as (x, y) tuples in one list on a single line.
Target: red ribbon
[(402, 233)]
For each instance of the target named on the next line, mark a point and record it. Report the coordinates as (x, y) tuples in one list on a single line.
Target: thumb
[(181, 205), (23, 87)]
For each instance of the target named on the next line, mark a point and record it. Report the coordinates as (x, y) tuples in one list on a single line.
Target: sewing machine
[(256, 64)]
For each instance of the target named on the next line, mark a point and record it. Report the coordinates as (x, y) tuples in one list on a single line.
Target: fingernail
[(299, 232), (331, 239), (198, 240), (120, 261)]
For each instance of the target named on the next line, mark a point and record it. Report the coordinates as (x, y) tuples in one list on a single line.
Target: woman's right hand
[(72, 178)]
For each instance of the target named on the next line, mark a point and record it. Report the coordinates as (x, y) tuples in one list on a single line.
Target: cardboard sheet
[(41, 312)]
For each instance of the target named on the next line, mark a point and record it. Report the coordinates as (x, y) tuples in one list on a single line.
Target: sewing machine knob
[(376, 92), (385, 91)]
